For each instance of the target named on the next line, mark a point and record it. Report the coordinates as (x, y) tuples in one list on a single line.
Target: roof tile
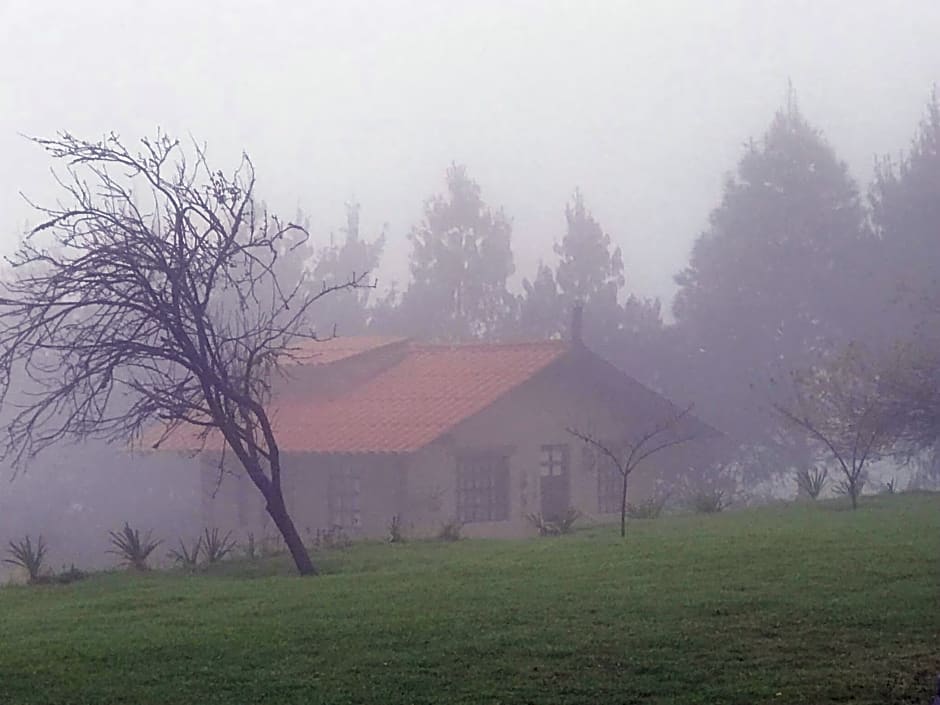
[(406, 405)]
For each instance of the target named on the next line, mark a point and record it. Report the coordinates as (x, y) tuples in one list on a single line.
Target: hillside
[(790, 604)]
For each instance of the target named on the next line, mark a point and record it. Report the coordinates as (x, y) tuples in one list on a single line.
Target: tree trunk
[(623, 509), (278, 512)]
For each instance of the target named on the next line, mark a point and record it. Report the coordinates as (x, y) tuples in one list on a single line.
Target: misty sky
[(644, 105)]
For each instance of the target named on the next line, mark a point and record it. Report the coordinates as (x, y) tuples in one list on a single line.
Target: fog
[(643, 105)]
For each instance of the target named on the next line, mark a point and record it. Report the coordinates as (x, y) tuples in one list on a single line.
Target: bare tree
[(841, 405), (146, 306), (626, 455)]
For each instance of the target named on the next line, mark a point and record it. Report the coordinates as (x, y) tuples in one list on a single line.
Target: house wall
[(422, 487), (236, 504), (536, 414)]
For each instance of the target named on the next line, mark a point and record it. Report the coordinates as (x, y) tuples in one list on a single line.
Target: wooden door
[(555, 481)]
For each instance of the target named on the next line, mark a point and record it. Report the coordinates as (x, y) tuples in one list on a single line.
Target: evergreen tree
[(776, 278), (541, 308), (348, 312), (905, 200), (460, 263), (590, 272)]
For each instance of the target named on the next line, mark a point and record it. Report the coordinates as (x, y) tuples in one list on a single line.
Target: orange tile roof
[(405, 406), (326, 352), (412, 403)]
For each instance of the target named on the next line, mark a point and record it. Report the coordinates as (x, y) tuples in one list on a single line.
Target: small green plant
[(217, 545), (72, 575), (650, 508), (133, 550), (812, 481), (708, 501), (252, 552), (555, 526), (450, 531), (271, 546), (851, 490), (332, 538), (187, 557), (396, 532), (28, 557)]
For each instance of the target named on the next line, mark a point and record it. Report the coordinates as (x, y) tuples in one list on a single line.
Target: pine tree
[(776, 278), (590, 272), (347, 313), (905, 200), (541, 309), (460, 263)]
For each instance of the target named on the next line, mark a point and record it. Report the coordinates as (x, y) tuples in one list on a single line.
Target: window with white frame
[(554, 460), (343, 498), (482, 487)]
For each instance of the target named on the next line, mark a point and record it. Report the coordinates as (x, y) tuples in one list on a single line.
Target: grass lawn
[(790, 604)]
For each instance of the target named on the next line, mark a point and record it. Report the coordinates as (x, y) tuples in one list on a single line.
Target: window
[(343, 497), (482, 488), (554, 461)]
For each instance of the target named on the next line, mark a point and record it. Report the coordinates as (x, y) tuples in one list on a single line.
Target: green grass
[(791, 604)]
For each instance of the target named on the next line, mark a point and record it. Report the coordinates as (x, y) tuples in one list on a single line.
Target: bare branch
[(148, 305), (627, 454)]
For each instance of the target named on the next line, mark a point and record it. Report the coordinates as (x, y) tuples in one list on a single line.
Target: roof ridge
[(425, 345)]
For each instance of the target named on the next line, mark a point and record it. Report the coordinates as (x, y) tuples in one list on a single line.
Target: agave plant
[(218, 546), (24, 555), (187, 557), (133, 550), (557, 525), (812, 481)]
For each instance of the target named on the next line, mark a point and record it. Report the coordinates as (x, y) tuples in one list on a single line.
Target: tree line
[(158, 296), (796, 264)]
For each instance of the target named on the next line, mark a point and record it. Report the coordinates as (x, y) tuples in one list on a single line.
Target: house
[(375, 428)]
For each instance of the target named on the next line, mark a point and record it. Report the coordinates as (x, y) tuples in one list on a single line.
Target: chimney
[(577, 324)]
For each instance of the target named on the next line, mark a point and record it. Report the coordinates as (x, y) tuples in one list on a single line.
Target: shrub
[(217, 546), (24, 555), (72, 575), (272, 546), (650, 508), (396, 532), (891, 486), (450, 531), (187, 557), (844, 487), (708, 501), (812, 481), (251, 547), (332, 538), (555, 526), (132, 550)]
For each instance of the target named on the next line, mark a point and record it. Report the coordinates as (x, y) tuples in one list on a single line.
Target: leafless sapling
[(841, 405), (625, 455)]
